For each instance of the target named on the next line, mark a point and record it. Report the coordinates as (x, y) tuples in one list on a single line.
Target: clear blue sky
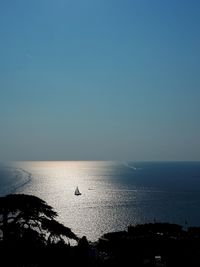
[(100, 79)]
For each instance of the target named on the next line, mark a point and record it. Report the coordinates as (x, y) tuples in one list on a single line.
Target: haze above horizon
[(100, 80)]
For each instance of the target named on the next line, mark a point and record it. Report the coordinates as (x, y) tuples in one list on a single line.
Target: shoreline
[(12, 179)]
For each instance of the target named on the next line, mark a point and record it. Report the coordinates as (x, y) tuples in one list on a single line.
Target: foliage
[(29, 220)]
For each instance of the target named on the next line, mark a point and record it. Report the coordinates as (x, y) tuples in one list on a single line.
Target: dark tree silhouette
[(29, 219)]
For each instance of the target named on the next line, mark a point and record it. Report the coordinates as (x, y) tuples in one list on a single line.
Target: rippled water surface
[(115, 194)]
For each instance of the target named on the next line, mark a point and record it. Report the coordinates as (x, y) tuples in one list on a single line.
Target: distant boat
[(77, 192)]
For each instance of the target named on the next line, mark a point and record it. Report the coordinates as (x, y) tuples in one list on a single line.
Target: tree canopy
[(29, 219)]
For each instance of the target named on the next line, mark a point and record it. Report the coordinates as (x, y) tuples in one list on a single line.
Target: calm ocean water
[(114, 194)]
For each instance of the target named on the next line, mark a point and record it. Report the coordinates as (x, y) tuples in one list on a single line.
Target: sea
[(114, 194)]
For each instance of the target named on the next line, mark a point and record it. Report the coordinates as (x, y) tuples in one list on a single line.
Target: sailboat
[(77, 192)]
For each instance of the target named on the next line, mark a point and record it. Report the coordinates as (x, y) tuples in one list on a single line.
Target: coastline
[(12, 178)]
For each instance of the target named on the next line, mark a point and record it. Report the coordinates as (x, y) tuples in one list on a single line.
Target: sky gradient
[(99, 80)]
